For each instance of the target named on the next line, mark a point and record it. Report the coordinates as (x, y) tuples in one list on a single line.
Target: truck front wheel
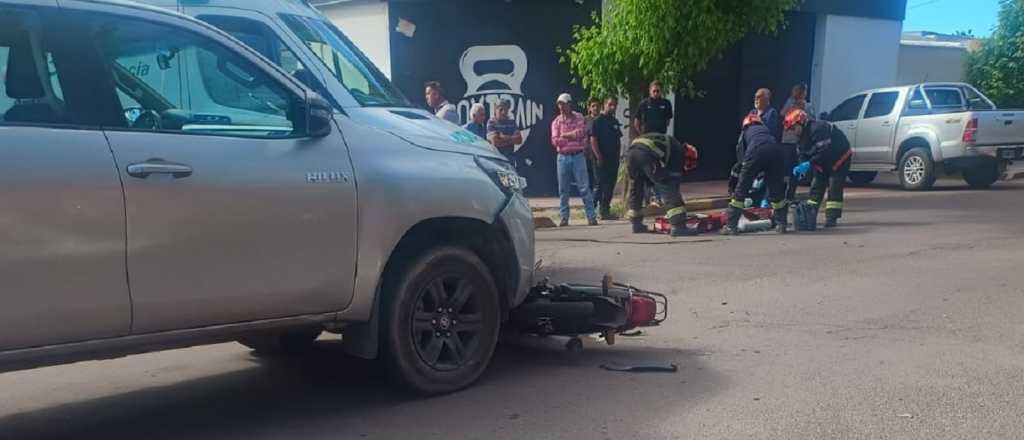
[(442, 316), (982, 176), (917, 171)]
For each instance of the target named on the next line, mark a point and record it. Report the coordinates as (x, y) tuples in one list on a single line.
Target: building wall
[(919, 63), (486, 50), (853, 54), (365, 22)]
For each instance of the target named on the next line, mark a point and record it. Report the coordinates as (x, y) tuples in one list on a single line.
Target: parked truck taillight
[(971, 131)]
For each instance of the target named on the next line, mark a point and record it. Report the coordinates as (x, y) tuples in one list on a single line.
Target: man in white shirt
[(438, 104)]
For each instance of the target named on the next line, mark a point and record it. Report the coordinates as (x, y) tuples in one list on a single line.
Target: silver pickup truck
[(925, 131), (165, 185)]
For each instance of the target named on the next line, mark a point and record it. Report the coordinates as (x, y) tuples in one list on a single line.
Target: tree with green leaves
[(637, 41), (997, 68)]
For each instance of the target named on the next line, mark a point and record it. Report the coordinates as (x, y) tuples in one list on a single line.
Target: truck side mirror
[(318, 115), (918, 104)]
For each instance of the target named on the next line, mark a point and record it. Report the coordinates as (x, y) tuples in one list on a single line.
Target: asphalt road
[(903, 324)]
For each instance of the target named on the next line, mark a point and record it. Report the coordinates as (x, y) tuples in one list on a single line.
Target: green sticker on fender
[(464, 137)]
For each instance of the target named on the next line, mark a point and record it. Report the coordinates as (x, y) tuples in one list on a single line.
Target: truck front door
[(877, 128), (234, 213), (845, 117)]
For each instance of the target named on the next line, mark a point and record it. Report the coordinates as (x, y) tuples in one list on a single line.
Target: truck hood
[(424, 130)]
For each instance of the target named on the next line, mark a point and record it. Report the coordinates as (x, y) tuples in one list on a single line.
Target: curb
[(704, 204)]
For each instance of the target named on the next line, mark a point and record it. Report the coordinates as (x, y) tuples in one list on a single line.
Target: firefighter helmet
[(752, 119), (795, 117), (692, 156)]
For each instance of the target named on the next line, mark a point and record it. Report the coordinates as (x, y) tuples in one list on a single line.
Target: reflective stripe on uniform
[(812, 202), (839, 163), (675, 212), (737, 204), (662, 148), (632, 213), (833, 205), (779, 205)]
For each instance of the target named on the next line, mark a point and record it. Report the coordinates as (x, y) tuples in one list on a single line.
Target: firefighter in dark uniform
[(657, 160), (827, 150), (758, 152)]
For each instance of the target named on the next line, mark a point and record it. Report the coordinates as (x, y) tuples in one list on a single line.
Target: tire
[(862, 178), (916, 171), (290, 341), (982, 176), (441, 320)]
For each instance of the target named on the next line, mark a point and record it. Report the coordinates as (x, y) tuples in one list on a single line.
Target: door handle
[(886, 124), (143, 170)]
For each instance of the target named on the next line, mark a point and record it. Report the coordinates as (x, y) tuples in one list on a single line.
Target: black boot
[(780, 219), (832, 217), (732, 225)]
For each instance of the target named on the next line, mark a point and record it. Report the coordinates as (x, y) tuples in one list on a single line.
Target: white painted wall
[(365, 22), (920, 63), (852, 54)]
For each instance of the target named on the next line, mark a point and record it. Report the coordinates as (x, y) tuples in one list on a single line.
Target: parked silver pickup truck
[(925, 131)]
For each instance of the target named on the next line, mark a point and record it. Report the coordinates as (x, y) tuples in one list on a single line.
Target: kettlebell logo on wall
[(493, 73)]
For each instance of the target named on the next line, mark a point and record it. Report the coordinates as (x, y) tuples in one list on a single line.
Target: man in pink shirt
[(569, 137)]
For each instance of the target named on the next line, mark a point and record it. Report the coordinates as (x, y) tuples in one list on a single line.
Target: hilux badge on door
[(326, 177)]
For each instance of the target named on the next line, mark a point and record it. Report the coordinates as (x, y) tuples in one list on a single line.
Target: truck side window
[(169, 79), (881, 104), (975, 101), (849, 110), (263, 39), (29, 93), (944, 98), (917, 101)]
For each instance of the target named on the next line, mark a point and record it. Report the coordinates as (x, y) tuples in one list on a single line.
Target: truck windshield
[(362, 79)]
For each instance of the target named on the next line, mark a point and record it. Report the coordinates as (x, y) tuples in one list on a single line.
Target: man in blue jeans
[(569, 137)]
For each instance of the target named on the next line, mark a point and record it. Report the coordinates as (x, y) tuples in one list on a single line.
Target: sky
[(948, 16)]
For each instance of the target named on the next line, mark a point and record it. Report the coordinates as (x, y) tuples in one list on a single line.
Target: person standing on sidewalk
[(477, 120), (764, 110), (593, 112), (434, 94), (654, 113), (568, 136), (606, 147), (503, 133), (798, 100)]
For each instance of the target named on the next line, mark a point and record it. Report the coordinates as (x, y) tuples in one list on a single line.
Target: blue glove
[(765, 204), (802, 169)]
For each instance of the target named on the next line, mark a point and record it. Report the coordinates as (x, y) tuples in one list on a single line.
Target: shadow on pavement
[(326, 394)]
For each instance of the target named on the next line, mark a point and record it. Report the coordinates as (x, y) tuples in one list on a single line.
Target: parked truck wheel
[(442, 318), (284, 342), (861, 178), (982, 176), (917, 170)]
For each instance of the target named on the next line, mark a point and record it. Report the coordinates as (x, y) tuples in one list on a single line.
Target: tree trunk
[(636, 94)]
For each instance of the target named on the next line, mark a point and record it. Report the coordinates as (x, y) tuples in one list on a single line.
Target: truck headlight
[(503, 174)]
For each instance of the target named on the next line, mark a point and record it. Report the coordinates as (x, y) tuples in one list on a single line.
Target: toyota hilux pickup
[(165, 185), (931, 130)]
